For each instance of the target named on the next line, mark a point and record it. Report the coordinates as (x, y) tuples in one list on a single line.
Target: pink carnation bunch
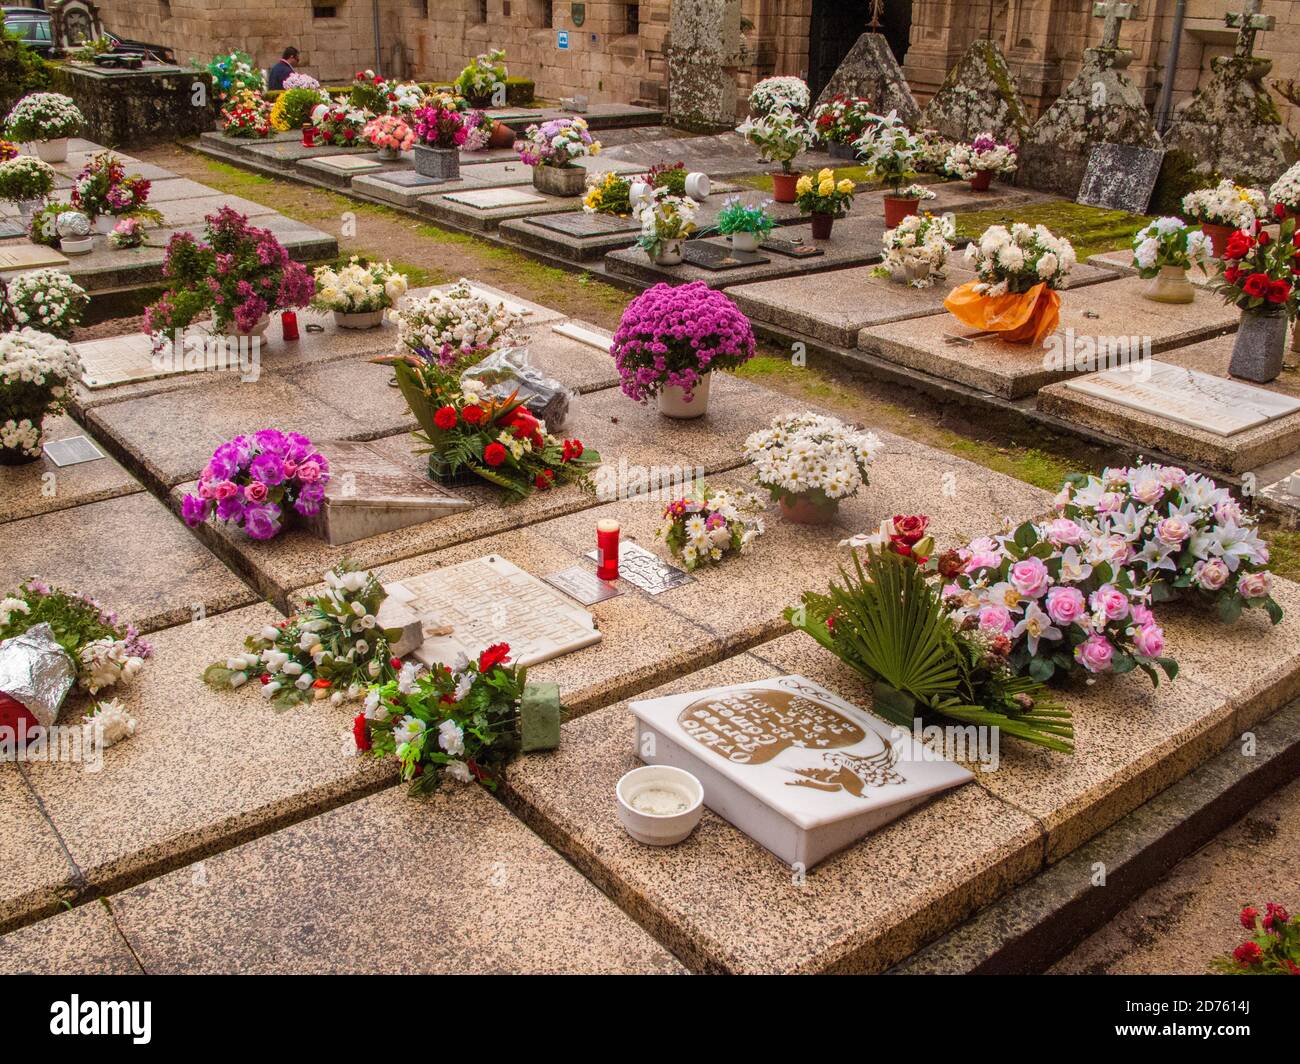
[(672, 336)]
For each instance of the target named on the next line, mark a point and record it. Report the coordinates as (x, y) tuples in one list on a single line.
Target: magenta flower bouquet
[(440, 127), (240, 273), (674, 337), (254, 481)]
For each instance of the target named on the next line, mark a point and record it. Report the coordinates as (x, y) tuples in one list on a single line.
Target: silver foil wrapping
[(37, 672)]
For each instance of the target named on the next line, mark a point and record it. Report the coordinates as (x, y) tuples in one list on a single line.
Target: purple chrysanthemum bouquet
[(674, 336), (253, 481)]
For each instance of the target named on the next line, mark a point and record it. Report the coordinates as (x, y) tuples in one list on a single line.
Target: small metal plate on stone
[(719, 257), (583, 585), (781, 246), (580, 223), (73, 451), (646, 570)]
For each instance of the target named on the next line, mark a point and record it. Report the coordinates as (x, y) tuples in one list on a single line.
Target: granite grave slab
[(38, 874), (79, 942), (445, 210), (41, 486)]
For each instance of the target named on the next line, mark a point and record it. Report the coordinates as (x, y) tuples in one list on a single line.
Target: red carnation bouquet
[(1260, 270), (1272, 949), (466, 430)]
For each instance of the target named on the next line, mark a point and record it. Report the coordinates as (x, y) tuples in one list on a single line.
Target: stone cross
[(877, 9), (1114, 13), (1248, 23)]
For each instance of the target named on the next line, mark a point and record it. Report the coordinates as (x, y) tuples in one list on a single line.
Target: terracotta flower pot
[(821, 226), (801, 510), (1218, 235), (981, 181), (783, 186), (502, 136), (672, 400), (897, 208)]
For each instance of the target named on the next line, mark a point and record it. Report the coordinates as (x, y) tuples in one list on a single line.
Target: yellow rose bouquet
[(824, 198)]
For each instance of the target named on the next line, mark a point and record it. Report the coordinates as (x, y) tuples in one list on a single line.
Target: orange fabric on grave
[(1019, 317)]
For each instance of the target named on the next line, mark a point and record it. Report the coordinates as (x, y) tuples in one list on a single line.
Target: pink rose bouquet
[(1065, 596), (253, 481), (389, 132), (675, 335), (1185, 534)]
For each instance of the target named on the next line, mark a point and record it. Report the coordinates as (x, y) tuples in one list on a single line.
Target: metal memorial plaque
[(583, 585), (781, 246), (709, 256), (73, 451), (646, 570)]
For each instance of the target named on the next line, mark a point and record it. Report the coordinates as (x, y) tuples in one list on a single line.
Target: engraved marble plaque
[(369, 494), (348, 164), (584, 334), (645, 569), (1189, 397), (781, 246), (29, 257), (485, 199), (580, 224), (583, 585), (408, 179), (119, 359), (795, 767), (708, 256), (491, 600)]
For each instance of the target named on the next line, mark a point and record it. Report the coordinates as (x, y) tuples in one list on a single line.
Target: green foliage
[(1178, 176), (21, 70), (297, 106)]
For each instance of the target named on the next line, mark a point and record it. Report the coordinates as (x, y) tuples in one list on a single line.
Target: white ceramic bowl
[(656, 829)]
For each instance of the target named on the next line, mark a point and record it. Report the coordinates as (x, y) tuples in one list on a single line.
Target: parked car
[(32, 24)]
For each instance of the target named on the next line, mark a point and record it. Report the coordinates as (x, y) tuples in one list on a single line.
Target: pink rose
[(207, 490), (1149, 641), (256, 491), (1064, 532), (1065, 605), (1211, 574), (289, 466), (1173, 530), (225, 489), (1143, 615), (982, 560), (1255, 585), (1147, 488), (1094, 653), (1228, 512), (1030, 577), (1110, 601), (983, 545), (995, 619), (309, 471), (1110, 502), (1171, 476)]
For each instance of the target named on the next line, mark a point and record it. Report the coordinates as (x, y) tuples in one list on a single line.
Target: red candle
[(308, 135), (289, 323), (607, 549)]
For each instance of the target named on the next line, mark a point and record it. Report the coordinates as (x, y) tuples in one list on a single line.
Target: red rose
[(395, 663), (445, 417), (541, 483), (496, 654), (1279, 211), (473, 415), (494, 454), (1247, 954), (1231, 273), (1238, 245), (1275, 915), (950, 564), (1256, 285), (1291, 966), (1278, 291), (1248, 915), (1264, 238), (910, 529), (361, 732)]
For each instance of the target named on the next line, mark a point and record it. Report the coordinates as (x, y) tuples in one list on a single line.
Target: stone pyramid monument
[(979, 95), (871, 70)]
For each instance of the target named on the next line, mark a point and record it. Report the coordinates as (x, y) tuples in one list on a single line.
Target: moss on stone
[(1092, 230), (1178, 176)]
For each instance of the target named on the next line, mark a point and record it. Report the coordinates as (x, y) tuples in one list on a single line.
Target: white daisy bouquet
[(704, 527), (1286, 189), (984, 153), (446, 328), (37, 372), (1017, 259), (358, 287), (43, 116), (811, 456), (49, 300), (1226, 204), (918, 248), (1169, 242), (1181, 531), (779, 94)]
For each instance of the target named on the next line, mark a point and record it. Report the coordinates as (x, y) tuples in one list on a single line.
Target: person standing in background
[(282, 69)]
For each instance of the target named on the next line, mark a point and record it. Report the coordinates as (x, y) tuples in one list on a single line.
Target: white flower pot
[(366, 319), (76, 245), (919, 271), (1170, 285), (258, 330), (639, 192), (52, 151), (104, 223), (698, 186), (672, 400), (669, 254), (744, 241)]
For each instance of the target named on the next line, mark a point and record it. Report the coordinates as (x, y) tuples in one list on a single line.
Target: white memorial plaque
[(645, 569), (485, 199), (1187, 396), (348, 164), (121, 359), (470, 606), (797, 769), (584, 334), (29, 257)]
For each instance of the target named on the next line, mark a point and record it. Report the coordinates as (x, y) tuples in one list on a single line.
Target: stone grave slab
[(795, 767), (338, 171), (575, 353), (569, 240), (41, 486), (1111, 313), (368, 495), (15, 258), (128, 552), (284, 153), (261, 767), (533, 313), (1121, 177), (360, 391), (498, 175), (491, 600), (79, 942), (120, 360), (583, 224), (443, 209), (855, 241), (262, 908), (486, 198), (712, 895), (175, 188), (1192, 415), (487, 155), (38, 875), (403, 188), (191, 212), (717, 256), (173, 434)]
